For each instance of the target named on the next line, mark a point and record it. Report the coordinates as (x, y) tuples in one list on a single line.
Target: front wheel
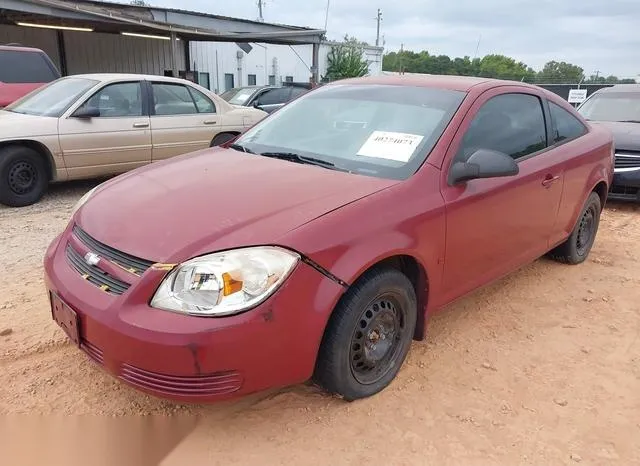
[(576, 248), (368, 335), (23, 176)]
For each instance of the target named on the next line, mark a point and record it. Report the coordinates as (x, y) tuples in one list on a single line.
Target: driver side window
[(513, 124), (117, 100)]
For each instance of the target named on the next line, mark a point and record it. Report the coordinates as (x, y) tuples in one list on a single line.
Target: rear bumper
[(196, 359)]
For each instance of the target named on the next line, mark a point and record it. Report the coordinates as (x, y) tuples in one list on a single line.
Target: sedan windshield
[(612, 106), (54, 99), (378, 130), (238, 95)]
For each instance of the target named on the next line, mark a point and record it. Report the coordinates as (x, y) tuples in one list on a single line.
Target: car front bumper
[(626, 184), (196, 359)]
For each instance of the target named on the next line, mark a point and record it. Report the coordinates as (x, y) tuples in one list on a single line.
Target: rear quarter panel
[(586, 161)]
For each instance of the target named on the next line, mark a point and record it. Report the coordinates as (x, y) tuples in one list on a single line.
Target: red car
[(318, 243), (22, 70)]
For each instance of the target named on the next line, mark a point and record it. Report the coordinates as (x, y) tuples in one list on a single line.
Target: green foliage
[(490, 66), (346, 60)]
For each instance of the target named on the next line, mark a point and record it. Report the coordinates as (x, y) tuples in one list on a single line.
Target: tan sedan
[(95, 125)]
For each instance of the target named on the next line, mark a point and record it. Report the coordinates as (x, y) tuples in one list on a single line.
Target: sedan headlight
[(225, 283), (82, 201)]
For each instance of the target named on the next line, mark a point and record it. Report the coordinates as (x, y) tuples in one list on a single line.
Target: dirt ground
[(541, 368)]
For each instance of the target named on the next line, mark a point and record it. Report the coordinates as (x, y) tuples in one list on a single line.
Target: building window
[(228, 81), (203, 80), (251, 79), (289, 79), (272, 80)]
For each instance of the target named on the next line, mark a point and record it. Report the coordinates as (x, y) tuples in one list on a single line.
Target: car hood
[(213, 200), (625, 135), (18, 125)]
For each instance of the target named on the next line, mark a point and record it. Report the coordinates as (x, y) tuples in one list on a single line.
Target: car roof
[(126, 76), (454, 83), (20, 48), (620, 88)]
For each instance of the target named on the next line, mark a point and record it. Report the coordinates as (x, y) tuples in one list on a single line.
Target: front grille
[(131, 263), (94, 275), (627, 160), (219, 383)]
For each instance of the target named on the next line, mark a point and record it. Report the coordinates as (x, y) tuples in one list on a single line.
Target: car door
[(272, 99), (496, 225), (183, 120), (115, 139)]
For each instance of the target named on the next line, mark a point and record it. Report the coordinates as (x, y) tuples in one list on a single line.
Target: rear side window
[(566, 126), (274, 96), (173, 99), (18, 67), (510, 123)]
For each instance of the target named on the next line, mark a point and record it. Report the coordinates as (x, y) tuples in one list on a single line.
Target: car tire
[(23, 176), (576, 248), (221, 138), (368, 335)]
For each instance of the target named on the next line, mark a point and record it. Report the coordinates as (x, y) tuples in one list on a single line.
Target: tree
[(345, 60), (560, 72), (139, 3)]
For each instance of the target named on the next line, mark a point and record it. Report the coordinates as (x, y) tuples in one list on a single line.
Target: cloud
[(593, 34)]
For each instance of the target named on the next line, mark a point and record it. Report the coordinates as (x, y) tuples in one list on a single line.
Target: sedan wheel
[(23, 176), (577, 247), (368, 336)]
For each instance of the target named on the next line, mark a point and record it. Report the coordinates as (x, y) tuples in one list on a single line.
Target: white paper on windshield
[(391, 146)]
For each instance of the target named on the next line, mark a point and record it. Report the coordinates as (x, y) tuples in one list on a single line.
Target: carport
[(86, 36)]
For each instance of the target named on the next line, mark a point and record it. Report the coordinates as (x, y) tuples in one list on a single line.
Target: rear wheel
[(576, 248), (23, 176), (222, 138), (368, 335)]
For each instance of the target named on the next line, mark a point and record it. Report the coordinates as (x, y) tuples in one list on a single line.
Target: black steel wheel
[(368, 335), (376, 341), (576, 248), (23, 176)]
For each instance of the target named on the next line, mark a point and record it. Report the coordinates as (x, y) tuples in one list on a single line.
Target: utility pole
[(401, 71), (326, 16), (378, 19), (260, 17)]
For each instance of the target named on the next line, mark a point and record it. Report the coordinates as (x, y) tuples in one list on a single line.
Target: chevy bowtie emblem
[(91, 258)]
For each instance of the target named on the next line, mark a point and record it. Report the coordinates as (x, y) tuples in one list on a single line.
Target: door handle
[(141, 125), (549, 180), (209, 122)]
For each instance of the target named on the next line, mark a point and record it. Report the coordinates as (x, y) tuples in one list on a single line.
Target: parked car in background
[(319, 242), (96, 125), (618, 108), (23, 69), (267, 98)]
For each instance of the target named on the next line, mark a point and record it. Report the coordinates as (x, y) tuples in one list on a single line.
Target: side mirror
[(87, 112), (483, 163)]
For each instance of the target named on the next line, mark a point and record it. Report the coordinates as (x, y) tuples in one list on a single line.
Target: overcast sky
[(594, 34)]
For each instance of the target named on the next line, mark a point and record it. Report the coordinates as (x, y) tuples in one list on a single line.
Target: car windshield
[(612, 106), (238, 96), (54, 99), (378, 130)]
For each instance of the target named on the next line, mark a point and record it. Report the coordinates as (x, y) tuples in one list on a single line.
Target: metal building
[(93, 36)]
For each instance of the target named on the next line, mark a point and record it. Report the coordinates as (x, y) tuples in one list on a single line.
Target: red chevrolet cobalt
[(318, 243)]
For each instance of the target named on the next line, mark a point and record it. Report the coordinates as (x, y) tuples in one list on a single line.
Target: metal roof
[(117, 17)]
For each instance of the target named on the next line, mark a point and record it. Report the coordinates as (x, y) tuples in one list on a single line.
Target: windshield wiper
[(241, 148), (630, 121), (293, 157)]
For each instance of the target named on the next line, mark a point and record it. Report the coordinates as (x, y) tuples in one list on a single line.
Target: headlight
[(82, 200), (225, 283)]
